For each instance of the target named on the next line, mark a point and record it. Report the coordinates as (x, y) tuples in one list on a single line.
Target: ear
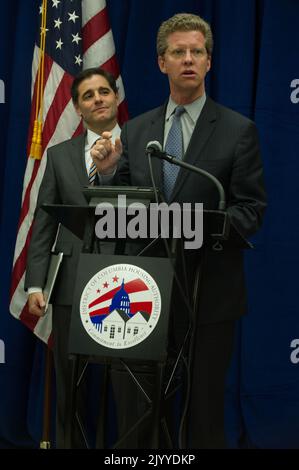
[(209, 63), (117, 98), (162, 65), (77, 109)]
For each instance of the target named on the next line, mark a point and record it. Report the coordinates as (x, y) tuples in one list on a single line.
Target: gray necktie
[(174, 147)]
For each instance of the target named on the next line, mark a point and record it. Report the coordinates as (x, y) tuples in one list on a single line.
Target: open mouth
[(188, 73)]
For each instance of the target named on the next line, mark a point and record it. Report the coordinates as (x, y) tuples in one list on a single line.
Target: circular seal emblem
[(120, 306)]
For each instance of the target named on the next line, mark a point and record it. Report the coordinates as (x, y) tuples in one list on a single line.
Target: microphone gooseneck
[(154, 149)]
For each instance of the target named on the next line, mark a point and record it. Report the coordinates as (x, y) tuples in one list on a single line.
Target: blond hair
[(184, 22)]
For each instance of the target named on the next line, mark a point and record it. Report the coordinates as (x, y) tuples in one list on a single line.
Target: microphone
[(154, 149)]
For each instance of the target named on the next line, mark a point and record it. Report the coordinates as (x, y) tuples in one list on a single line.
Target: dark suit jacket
[(63, 181), (225, 144)]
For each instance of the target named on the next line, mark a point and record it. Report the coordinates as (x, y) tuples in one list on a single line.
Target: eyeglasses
[(180, 53)]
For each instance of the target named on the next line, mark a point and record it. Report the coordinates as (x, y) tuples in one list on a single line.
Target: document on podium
[(55, 263)]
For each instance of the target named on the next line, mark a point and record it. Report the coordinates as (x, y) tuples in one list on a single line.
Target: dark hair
[(87, 73)]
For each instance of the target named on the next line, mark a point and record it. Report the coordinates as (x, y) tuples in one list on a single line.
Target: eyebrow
[(186, 47), (101, 89), (104, 88)]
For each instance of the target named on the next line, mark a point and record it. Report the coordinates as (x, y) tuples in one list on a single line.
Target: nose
[(188, 57), (97, 97)]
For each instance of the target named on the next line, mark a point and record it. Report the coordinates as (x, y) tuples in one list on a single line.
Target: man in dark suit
[(225, 144), (69, 168)]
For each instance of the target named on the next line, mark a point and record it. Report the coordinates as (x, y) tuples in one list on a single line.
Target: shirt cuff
[(34, 290)]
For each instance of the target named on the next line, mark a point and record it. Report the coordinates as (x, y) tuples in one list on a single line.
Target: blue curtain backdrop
[(254, 64)]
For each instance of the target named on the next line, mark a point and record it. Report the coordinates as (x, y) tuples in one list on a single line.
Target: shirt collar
[(193, 109)]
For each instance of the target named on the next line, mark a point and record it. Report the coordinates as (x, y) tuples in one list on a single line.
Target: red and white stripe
[(60, 122)]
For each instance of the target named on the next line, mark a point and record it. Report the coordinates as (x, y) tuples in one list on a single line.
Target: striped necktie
[(92, 169), (92, 173), (174, 147)]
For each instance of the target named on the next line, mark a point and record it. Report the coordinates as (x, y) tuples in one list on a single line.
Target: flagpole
[(45, 442)]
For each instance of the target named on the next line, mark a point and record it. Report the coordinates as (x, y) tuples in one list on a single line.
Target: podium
[(124, 302)]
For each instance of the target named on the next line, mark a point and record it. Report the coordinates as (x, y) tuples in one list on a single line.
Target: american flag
[(77, 35)]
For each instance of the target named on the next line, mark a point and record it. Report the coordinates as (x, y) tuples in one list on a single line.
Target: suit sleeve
[(247, 196), (122, 176), (44, 230)]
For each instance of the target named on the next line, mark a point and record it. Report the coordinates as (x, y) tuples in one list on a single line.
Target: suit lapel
[(78, 159), (202, 133)]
